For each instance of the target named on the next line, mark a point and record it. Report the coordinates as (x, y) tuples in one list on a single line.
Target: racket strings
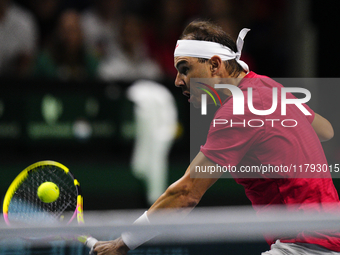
[(26, 205)]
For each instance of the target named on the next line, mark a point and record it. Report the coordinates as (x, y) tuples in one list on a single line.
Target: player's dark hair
[(208, 31)]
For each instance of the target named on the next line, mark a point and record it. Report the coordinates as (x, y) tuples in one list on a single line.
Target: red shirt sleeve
[(310, 118)]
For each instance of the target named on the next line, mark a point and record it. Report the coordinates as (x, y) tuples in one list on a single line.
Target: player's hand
[(115, 247)]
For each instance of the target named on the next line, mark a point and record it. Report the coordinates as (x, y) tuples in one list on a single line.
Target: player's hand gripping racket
[(45, 193)]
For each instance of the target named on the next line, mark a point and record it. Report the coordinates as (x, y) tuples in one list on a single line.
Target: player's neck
[(233, 79)]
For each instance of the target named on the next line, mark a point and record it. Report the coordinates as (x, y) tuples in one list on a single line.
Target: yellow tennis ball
[(48, 192)]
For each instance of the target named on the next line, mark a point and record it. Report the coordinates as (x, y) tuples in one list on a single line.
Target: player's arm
[(188, 190), (323, 128), (182, 196)]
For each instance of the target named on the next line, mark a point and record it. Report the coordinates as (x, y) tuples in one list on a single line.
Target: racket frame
[(78, 213)]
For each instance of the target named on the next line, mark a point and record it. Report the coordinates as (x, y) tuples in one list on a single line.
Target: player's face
[(187, 68)]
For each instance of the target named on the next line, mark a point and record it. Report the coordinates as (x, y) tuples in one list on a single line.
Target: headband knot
[(206, 49)]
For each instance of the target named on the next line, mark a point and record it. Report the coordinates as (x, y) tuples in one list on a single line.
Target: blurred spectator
[(164, 32), (17, 39), (78, 5), (46, 13), (66, 58), (100, 25), (267, 41), (131, 61), (221, 12), (225, 13)]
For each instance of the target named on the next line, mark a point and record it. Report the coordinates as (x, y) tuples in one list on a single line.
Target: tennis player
[(206, 51)]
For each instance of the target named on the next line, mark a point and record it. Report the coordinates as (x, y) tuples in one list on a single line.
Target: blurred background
[(67, 68)]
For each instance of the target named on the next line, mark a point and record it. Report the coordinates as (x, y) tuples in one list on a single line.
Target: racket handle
[(90, 242)]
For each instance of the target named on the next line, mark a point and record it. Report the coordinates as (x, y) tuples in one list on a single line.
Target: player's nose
[(179, 81)]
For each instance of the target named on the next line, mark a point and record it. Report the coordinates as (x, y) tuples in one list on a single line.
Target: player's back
[(301, 180)]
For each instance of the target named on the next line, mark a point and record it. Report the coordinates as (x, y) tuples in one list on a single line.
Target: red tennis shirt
[(287, 142)]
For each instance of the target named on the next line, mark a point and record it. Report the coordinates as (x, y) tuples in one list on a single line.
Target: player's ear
[(215, 64)]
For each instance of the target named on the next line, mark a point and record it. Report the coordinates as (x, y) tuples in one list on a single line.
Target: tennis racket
[(24, 205)]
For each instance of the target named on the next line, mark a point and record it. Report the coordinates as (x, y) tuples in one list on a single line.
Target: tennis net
[(238, 230)]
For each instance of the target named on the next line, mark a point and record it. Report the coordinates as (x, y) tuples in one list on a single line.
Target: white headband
[(205, 49)]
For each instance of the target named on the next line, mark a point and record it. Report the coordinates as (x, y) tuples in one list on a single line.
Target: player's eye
[(184, 70)]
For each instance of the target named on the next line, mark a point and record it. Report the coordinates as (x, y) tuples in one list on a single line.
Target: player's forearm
[(176, 202), (178, 198), (183, 195)]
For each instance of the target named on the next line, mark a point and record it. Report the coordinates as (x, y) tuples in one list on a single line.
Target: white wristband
[(137, 238)]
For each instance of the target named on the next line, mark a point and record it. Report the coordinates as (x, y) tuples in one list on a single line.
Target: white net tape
[(222, 224)]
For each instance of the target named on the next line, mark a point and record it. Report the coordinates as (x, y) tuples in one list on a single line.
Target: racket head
[(23, 206)]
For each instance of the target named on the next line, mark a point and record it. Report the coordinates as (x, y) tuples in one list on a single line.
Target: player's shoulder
[(257, 81)]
